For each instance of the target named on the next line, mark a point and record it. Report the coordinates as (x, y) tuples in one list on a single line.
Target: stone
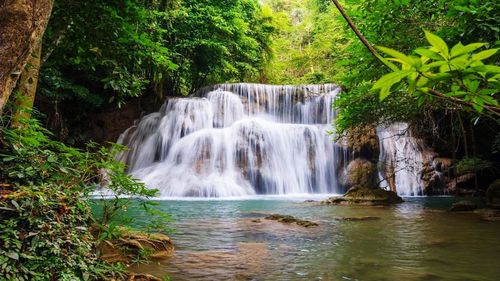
[(463, 206), (489, 214), (131, 243), (364, 218), (365, 196), (462, 181), (363, 140), (443, 164), (493, 195), (361, 173), (290, 219), (142, 277)]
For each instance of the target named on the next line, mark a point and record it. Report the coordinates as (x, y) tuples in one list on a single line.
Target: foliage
[(457, 76), (473, 165), (45, 235), (307, 43), (46, 218), (136, 46), (216, 41), (481, 19), (100, 52)]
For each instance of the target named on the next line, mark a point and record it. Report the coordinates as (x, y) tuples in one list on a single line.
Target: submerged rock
[(489, 214), (364, 218), (365, 196), (132, 244), (290, 219), (463, 206), (493, 195), (142, 277)]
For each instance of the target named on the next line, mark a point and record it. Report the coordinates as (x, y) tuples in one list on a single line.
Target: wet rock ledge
[(133, 245), (365, 196), (291, 220)]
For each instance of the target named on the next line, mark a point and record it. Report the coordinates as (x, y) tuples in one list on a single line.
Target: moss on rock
[(289, 220), (493, 195), (365, 196)]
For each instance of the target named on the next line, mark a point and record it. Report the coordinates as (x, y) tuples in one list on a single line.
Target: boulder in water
[(463, 206), (361, 173), (493, 195), (363, 140), (489, 214), (290, 219), (363, 218), (365, 196), (131, 244)]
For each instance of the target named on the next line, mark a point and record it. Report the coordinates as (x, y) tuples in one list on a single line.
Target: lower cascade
[(247, 139)]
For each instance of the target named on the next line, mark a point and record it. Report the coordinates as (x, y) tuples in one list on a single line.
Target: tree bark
[(22, 25), (26, 88)]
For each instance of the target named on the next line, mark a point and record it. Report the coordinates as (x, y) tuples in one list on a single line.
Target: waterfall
[(238, 140), (401, 160)]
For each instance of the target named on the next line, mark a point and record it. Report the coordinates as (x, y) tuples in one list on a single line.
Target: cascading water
[(238, 140), (401, 160)]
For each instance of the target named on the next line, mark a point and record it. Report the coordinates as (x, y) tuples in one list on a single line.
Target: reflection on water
[(229, 240)]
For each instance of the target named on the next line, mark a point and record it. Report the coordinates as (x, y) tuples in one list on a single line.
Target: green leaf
[(439, 76), (12, 255), (484, 68), (428, 53), (460, 49), (472, 85), (384, 93), (390, 79), (456, 94), (437, 43), (398, 55), (484, 54), (479, 108), (15, 204)]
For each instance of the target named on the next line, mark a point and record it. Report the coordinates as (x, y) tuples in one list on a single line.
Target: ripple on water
[(230, 240)]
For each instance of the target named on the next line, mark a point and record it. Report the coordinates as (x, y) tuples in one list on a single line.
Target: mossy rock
[(463, 206), (289, 220), (493, 195), (361, 172), (365, 196)]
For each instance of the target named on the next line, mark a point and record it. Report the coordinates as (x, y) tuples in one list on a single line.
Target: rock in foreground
[(493, 195), (463, 206), (290, 220), (132, 244), (365, 196)]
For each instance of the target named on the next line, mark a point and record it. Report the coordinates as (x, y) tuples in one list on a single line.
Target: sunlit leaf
[(438, 43), (390, 79), (484, 54), (428, 53), (460, 49)]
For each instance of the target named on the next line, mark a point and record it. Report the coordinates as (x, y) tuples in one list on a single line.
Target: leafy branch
[(458, 76)]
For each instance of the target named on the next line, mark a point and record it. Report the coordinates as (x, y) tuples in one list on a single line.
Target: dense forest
[(75, 74)]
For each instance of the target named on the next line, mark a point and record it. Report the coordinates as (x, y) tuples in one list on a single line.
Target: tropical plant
[(458, 76), (47, 228)]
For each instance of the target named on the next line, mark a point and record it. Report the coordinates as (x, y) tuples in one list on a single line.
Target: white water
[(239, 140), (401, 153)]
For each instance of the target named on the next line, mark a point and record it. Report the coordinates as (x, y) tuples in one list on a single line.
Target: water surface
[(416, 240)]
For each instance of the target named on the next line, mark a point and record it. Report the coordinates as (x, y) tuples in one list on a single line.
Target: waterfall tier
[(401, 160), (245, 139), (238, 140)]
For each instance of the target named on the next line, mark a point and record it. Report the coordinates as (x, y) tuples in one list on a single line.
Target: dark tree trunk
[(22, 24)]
